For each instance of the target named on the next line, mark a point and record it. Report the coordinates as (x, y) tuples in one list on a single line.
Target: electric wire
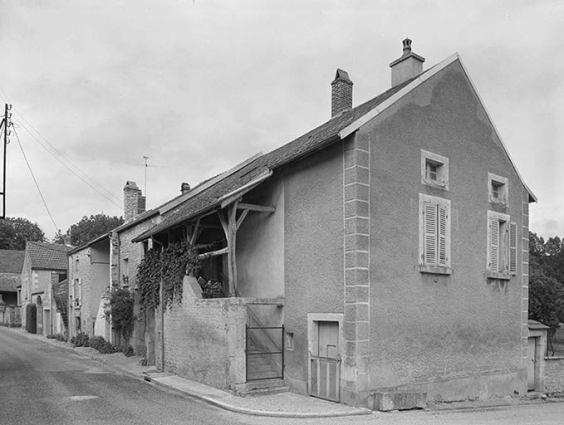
[(55, 153), (35, 181), (72, 171), (58, 155)]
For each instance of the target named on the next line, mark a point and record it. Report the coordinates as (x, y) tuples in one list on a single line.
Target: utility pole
[(6, 124)]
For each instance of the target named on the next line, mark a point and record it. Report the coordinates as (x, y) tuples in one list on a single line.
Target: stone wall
[(554, 375), (205, 339), (11, 317)]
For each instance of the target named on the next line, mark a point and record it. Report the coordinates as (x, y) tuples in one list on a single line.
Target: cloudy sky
[(199, 86)]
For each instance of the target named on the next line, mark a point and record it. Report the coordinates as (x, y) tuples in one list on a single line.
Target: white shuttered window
[(502, 246), (434, 230)]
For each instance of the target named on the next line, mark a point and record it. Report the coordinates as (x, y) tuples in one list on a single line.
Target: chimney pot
[(407, 66), (184, 187), (341, 93)]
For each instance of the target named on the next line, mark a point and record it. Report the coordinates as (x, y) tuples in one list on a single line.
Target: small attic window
[(434, 170), (497, 189)]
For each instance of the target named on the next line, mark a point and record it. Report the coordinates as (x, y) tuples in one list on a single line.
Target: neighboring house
[(107, 262), (126, 257), (390, 242), (11, 264), (45, 265), (89, 279)]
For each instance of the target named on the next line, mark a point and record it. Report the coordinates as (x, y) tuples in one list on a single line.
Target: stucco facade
[(396, 234), (428, 331), (89, 276)]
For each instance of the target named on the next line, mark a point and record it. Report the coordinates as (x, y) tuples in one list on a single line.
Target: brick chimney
[(133, 201), (407, 66), (341, 93), (184, 187)]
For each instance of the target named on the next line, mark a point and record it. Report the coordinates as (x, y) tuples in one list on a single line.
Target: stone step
[(264, 374), (263, 386)]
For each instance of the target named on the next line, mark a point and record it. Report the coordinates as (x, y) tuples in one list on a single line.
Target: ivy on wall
[(121, 311), (172, 264)]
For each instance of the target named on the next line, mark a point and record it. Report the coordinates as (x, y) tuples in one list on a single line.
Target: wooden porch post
[(230, 229)]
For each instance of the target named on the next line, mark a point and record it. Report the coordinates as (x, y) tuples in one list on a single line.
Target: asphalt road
[(41, 384)]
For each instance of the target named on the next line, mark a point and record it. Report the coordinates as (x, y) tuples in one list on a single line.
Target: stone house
[(11, 264), (106, 262), (383, 252), (45, 264)]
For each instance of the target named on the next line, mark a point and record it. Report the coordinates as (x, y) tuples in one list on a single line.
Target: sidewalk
[(286, 404)]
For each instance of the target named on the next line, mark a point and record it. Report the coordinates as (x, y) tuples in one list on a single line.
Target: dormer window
[(434, 170), (497, 189)]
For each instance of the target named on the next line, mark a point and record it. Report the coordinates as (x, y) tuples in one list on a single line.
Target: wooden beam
[(223, 222), (241, 218), (253, 207), (196, 230), (210, 254), (231, 244)]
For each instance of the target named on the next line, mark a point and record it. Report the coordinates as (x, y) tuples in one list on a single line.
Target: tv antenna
[(146, 165)]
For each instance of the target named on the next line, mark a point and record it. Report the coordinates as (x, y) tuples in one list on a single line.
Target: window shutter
[(494, 244), (443, 217), (513, 248), (430, 218)]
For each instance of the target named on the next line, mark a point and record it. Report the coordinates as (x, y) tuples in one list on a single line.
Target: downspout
[(161, 306)]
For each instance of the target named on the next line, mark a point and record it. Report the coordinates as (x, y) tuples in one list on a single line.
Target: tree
[(91, 227), (16, 231), (59, 238), (546, 282)]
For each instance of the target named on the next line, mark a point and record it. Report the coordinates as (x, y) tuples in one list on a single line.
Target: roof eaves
[(180, 200), (141, 217), (230, 197), (89, 243)]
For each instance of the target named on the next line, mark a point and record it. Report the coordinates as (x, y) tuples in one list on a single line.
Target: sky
[(198, 86)]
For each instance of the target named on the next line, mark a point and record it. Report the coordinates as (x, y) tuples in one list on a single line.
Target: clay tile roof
[(310, 142), (11, 261), (48, 256)]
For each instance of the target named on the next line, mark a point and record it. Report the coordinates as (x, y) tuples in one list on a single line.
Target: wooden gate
[(325, 363)]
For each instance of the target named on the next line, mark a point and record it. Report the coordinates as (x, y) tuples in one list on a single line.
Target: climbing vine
[(121, 311), (174, 262)]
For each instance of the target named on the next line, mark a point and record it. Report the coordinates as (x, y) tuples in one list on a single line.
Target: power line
[(76, 171), (84, 179), (58, 155), (35, 181)]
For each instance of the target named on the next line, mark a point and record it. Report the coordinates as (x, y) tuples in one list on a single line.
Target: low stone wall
[(11, 317), (204, 339), (554, 374)]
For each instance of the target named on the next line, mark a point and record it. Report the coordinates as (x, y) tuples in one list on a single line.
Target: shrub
[(31, 314), (128, 351), (107, 348), (50, 336), (96, 342), (81, 340)]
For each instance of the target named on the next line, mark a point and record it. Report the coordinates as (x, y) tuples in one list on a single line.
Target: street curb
[(243, 410), (209, 400)]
